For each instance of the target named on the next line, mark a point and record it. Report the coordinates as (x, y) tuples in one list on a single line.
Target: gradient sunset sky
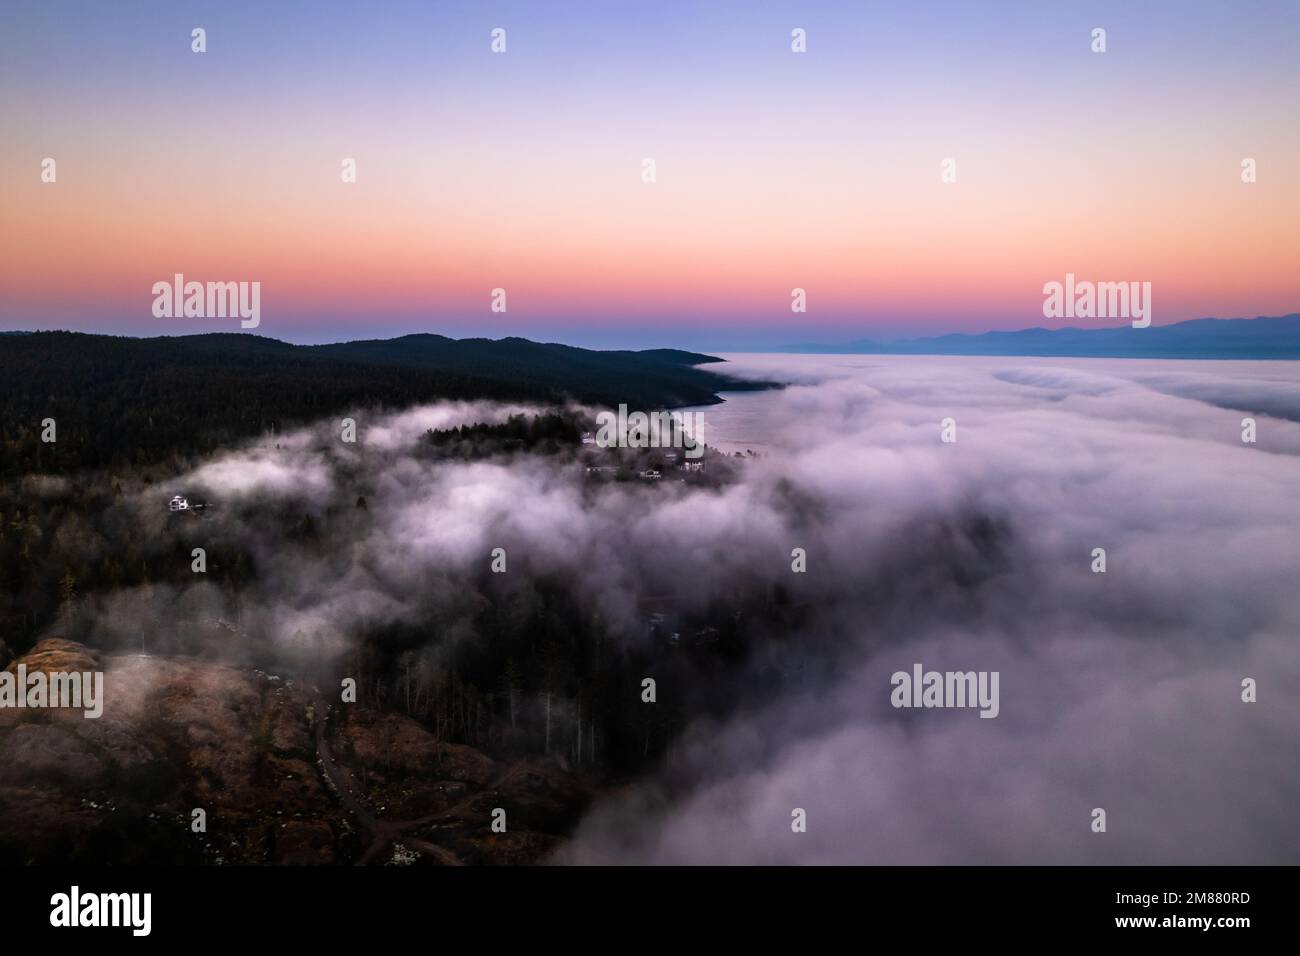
[(523, 170)]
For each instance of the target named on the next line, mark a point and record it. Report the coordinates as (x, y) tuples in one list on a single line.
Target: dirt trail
[(383, 833)]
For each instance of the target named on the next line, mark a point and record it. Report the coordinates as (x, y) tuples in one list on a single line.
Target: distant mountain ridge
[(1264, 337)]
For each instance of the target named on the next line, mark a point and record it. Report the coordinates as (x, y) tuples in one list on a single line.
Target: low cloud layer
[(1118, 690)]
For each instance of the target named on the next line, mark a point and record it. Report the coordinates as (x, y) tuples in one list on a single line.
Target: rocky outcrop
[(179, 735)]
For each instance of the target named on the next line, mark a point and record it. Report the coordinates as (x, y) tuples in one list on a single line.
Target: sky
[(524, 170)]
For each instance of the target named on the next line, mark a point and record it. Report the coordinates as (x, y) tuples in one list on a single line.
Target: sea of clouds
[(1119, 690)]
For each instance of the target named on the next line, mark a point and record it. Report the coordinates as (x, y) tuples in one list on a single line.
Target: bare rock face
[(47, 744), (180, 735), (56, 654), (305, 843), (46, 751), (401, 746), (174, 736)]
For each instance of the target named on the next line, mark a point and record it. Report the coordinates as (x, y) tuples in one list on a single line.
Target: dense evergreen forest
[(119, 401), (542, 674)]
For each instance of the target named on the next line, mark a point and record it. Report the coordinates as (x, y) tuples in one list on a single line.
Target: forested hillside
[(120, 401)]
